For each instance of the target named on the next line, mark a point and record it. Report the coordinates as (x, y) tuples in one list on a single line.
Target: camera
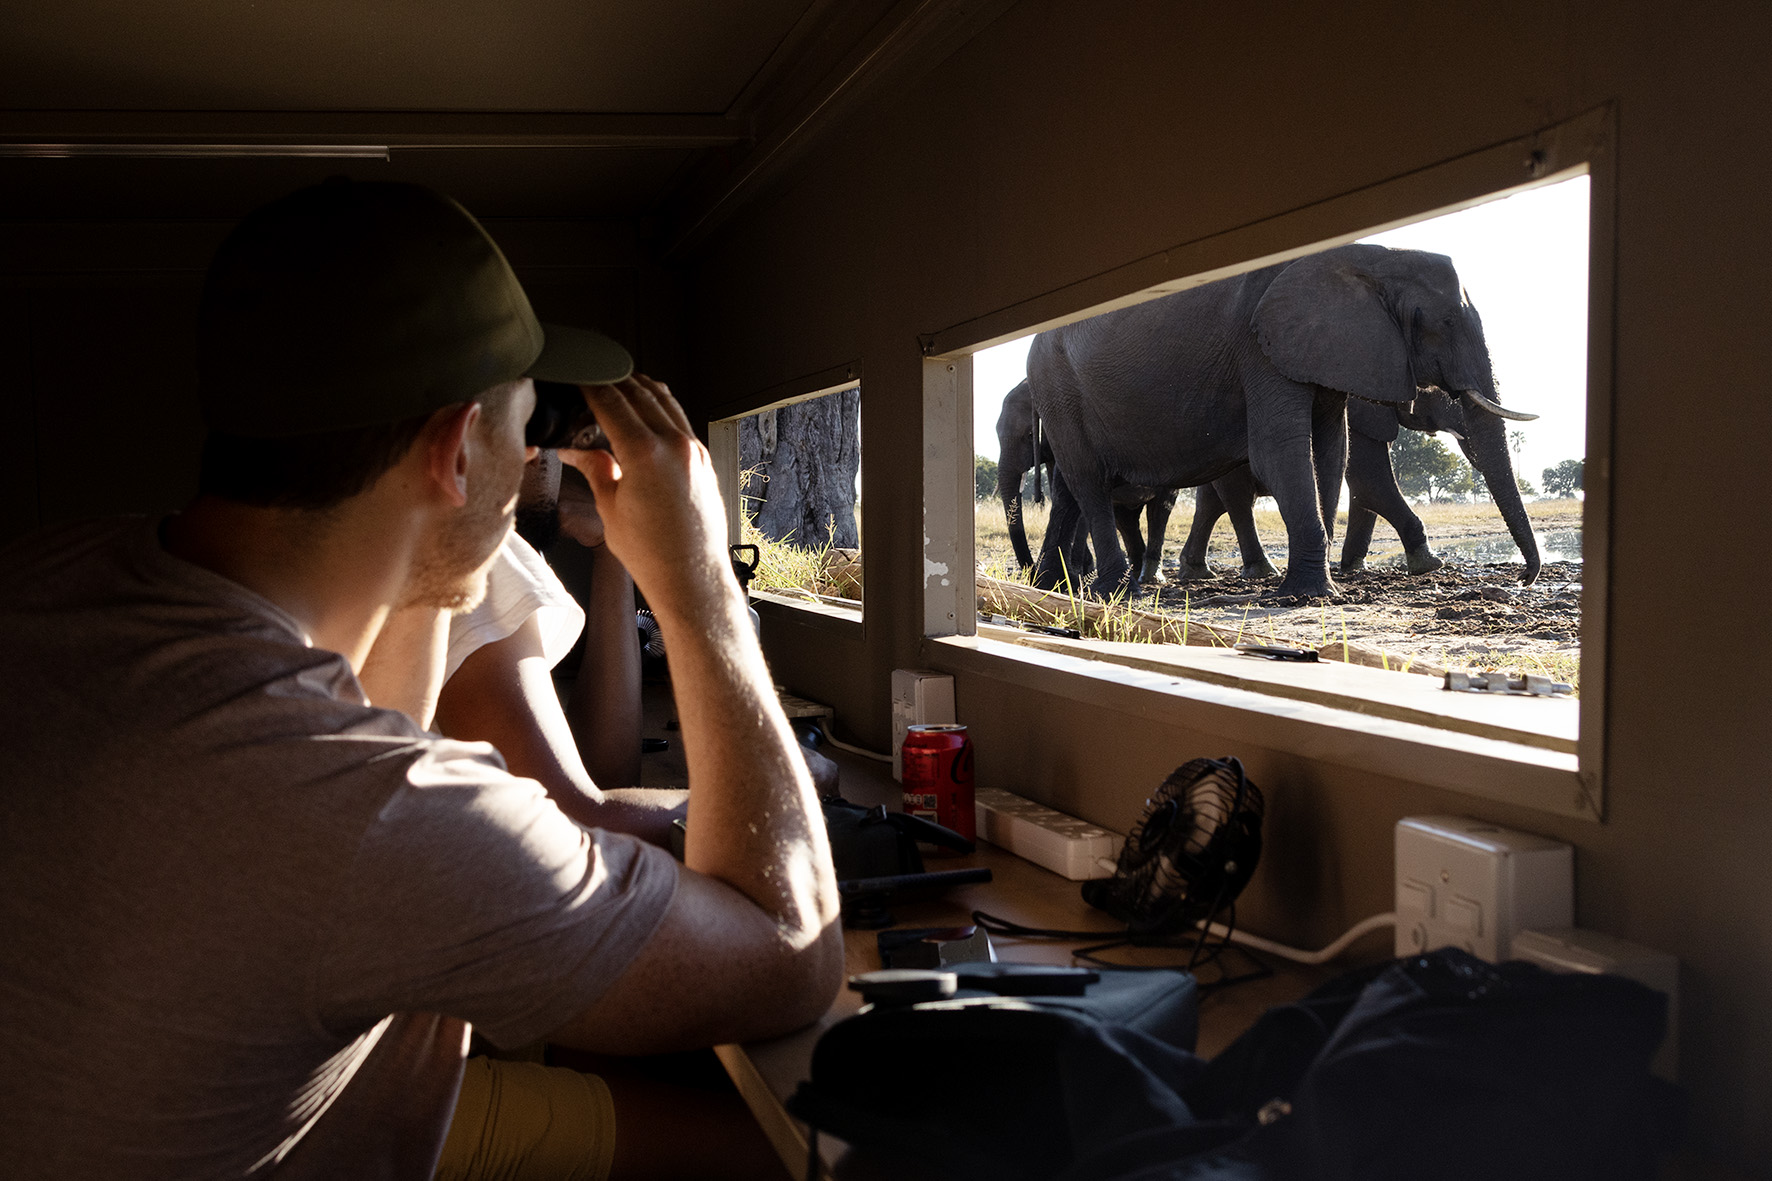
[(562, 419)]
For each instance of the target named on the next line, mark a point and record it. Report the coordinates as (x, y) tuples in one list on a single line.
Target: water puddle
[(1557, 545)]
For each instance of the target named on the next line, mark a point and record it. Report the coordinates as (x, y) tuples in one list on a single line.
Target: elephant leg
[(1126, 525), (1156, 517), (1054, 566), (1360, 520), (1095, 501), (1237, 490), (1283, 435), (1373, 483), (1208, 507), (1081, 561)]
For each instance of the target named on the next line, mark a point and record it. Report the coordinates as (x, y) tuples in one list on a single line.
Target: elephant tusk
[(1497, 408)]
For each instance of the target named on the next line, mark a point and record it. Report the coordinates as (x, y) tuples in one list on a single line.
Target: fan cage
[(1191, 853)]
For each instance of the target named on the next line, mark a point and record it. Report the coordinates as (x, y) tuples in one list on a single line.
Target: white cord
[(1364, 926), (854, 750)]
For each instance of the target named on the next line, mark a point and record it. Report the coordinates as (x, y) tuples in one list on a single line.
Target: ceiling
[(671, 113)]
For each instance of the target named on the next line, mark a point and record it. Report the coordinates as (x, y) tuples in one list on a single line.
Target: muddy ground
[(1471, 613)]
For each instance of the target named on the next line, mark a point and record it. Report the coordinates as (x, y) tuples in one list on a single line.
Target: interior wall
[(1071, 139), (98, 324)]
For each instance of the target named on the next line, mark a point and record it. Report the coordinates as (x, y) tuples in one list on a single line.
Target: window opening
[(799, 486), (1453, 507)]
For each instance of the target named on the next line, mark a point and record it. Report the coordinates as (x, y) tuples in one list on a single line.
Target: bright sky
[(1524, 263)]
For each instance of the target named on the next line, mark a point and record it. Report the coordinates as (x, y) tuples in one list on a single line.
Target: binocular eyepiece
[(562, 419)]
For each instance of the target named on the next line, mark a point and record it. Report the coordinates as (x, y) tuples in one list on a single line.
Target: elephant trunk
[(1485, 445)]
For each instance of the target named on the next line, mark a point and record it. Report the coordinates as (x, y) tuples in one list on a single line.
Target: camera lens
[(561, 418)]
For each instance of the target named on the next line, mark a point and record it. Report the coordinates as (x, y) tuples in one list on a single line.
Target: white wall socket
[(919, 697), (1465, 883)]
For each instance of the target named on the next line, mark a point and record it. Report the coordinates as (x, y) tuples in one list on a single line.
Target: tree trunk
[(799, 465)]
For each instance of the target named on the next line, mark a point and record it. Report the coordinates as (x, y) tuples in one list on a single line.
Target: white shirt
[(520, 584)]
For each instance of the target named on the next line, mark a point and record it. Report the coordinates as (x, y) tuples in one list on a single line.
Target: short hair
[(315, 471), (312, 472)]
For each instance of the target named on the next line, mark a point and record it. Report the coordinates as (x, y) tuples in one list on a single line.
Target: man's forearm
[(754, 820)]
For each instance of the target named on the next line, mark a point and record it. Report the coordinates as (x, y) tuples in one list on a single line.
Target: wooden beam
[(397, 130)]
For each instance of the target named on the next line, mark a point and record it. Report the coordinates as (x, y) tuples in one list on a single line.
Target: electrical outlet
[(919, 697), (1465, 883)]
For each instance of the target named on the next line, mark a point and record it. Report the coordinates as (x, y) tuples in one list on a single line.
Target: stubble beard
[(451, 574)]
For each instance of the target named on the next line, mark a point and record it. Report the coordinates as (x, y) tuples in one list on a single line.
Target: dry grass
[(996, 557), (1328, 627)]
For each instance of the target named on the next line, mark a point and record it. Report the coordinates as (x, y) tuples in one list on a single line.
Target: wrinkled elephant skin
[(1255, 370)]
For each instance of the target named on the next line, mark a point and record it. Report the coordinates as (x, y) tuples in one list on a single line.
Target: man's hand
[(656, 494)]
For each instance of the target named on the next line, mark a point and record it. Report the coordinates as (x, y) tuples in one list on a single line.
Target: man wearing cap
[(250, 914)]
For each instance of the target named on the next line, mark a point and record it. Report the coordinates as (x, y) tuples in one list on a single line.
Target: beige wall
[(1071, 139)]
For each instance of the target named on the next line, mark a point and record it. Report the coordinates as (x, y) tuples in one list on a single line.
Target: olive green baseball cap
[(353, 304)]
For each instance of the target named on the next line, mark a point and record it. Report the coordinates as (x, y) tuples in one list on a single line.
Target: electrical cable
[(825, 732), (1221, 931), (1321, 956)]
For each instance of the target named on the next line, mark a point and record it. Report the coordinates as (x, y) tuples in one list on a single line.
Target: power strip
[(1063, 844)]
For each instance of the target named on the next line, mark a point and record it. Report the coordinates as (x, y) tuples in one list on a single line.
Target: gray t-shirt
[(221, 872)]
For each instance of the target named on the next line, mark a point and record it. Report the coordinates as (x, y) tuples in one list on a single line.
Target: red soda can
[(938, 777)]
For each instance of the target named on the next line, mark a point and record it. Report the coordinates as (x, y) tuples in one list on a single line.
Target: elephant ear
[(1372, 420), (1324, 320)]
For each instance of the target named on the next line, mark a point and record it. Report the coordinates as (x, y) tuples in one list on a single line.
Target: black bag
[(992, 1086), (1441, 1066)]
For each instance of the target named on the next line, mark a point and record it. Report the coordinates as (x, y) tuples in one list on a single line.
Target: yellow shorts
[(519, 1121)]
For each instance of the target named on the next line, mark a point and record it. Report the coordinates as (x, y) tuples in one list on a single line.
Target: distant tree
[(1564, 480), (1517, 440), (1526, 488), (1462, 481), (984, 477), (1423, 464)]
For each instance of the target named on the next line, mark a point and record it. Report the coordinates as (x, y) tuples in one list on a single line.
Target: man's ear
[(446, 455)]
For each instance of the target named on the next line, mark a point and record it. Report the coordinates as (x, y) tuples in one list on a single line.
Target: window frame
[(1510, 772)]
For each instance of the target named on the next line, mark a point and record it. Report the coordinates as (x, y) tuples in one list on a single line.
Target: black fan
[(1179, 870), (1190, 856)]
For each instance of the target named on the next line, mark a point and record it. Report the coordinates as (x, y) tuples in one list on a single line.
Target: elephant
[(1019, 444), (1475, 422), (1256, 369), (1020, 449)]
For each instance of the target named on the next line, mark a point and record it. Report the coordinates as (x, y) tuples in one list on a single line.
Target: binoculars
[(562, 419)]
